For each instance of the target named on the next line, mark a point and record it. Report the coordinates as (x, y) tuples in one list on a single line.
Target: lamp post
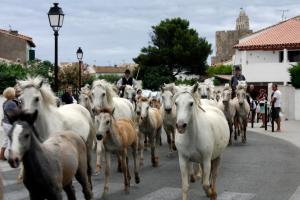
[(79, 54), (56, 19)]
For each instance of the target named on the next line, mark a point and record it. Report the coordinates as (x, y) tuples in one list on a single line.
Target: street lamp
[(56, 19), (79, 54)]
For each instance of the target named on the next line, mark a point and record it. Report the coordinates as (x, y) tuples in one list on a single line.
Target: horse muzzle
[(181, 127), (168, 110), (99, 137), (14, 162)]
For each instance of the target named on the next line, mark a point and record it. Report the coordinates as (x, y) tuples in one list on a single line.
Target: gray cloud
[(111, 32)]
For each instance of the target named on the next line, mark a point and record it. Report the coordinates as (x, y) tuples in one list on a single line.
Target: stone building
[(225, 40), (16, 47)]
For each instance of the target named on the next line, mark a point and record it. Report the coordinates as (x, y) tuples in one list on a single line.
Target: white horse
[(104, 96), (242, 110), (36, 96), (202, 136), (226, 104), (129, 93), (168, 114), (85, 99)]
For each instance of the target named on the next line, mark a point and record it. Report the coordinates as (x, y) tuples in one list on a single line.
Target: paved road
[(264, 169)]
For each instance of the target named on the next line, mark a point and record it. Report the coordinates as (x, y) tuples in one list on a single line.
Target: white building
[(266, 55)]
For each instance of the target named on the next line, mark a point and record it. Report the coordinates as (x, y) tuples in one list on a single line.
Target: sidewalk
[(290, 131)]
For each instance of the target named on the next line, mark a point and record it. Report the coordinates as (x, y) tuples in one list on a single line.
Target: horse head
[(35, 95), (167, 101), (103, 122), (226, 95), (185, 102), (20, 137), (129, 93), (144, 106), (241, 95)]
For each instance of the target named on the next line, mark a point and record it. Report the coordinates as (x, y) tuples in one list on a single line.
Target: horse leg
[(135, 161), (69, 189), (244, 131), (107, 173), (119, 163), (184, 170), (173, 140), (235, 128), (169, 140), (141, 149), (82, 177), (125, 170), (21, 174), (206, 176), (99, 153), (230, 131), (192, 172), (214, 172)]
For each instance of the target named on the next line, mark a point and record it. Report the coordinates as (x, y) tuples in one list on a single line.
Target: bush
[(220, 69), (295, 75), (109, 78), (186, 82), (9, 73), (153, 77), (217, 82)]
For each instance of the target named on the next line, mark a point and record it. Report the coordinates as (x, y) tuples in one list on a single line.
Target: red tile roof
[(20, 36), (283, 35)]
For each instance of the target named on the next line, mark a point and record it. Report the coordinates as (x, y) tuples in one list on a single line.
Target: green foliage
[(295, 75), (9, 73), (186, 82), (44, 69), (220, 69), (174, 47), (112, 78), (153, 77), (217, 82)]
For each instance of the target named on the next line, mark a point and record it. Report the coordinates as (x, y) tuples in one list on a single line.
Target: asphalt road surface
[(264, 169)]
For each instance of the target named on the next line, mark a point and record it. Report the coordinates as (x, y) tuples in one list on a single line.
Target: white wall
[(297, 104), (262, 57), (267, 72)]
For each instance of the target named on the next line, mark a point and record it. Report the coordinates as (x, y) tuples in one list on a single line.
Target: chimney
[(13, 32)]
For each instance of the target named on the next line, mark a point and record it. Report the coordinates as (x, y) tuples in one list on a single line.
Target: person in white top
[(276, 104)]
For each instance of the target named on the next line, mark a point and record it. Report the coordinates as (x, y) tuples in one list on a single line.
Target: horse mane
[(46, 92), (105, 110), (241, 87), (110, 92), (143, 99)]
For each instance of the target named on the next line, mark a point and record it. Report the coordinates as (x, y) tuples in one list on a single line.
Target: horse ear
[(113, 111), (40, 83), (195, 87)]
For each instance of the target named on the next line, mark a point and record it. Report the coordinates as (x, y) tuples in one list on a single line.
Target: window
[(280, 56), (294, 56)]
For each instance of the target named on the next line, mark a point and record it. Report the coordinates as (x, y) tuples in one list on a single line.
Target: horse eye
[(191, 104), (107, 122), (103, 94), (37, 99), (26, 136)]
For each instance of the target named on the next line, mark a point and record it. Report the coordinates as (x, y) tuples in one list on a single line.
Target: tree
[(295, 75), (9, 73), (41, 68), (68, 75), (220, 69), (175, 47)]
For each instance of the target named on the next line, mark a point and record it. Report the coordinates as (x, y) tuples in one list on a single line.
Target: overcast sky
[(113, 31)]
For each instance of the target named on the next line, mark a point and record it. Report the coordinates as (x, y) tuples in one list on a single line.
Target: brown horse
[(150, 125), (49, 167), (118, 135)]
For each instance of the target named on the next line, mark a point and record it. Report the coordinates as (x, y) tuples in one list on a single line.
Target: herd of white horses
[(48, 140)]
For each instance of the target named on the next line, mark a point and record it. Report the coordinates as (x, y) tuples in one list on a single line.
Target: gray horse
[(49, 167)]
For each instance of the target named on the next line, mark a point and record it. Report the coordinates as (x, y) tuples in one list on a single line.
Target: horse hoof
[(137, 180)]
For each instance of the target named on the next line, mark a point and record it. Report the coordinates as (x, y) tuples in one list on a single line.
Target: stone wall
[(12, 48), (225, 40)]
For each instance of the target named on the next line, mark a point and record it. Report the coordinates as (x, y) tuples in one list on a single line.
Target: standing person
[(276, 105), (125, 80), (10, 111), (67, 97), (262, 98), (238, 76), (252, 100)]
